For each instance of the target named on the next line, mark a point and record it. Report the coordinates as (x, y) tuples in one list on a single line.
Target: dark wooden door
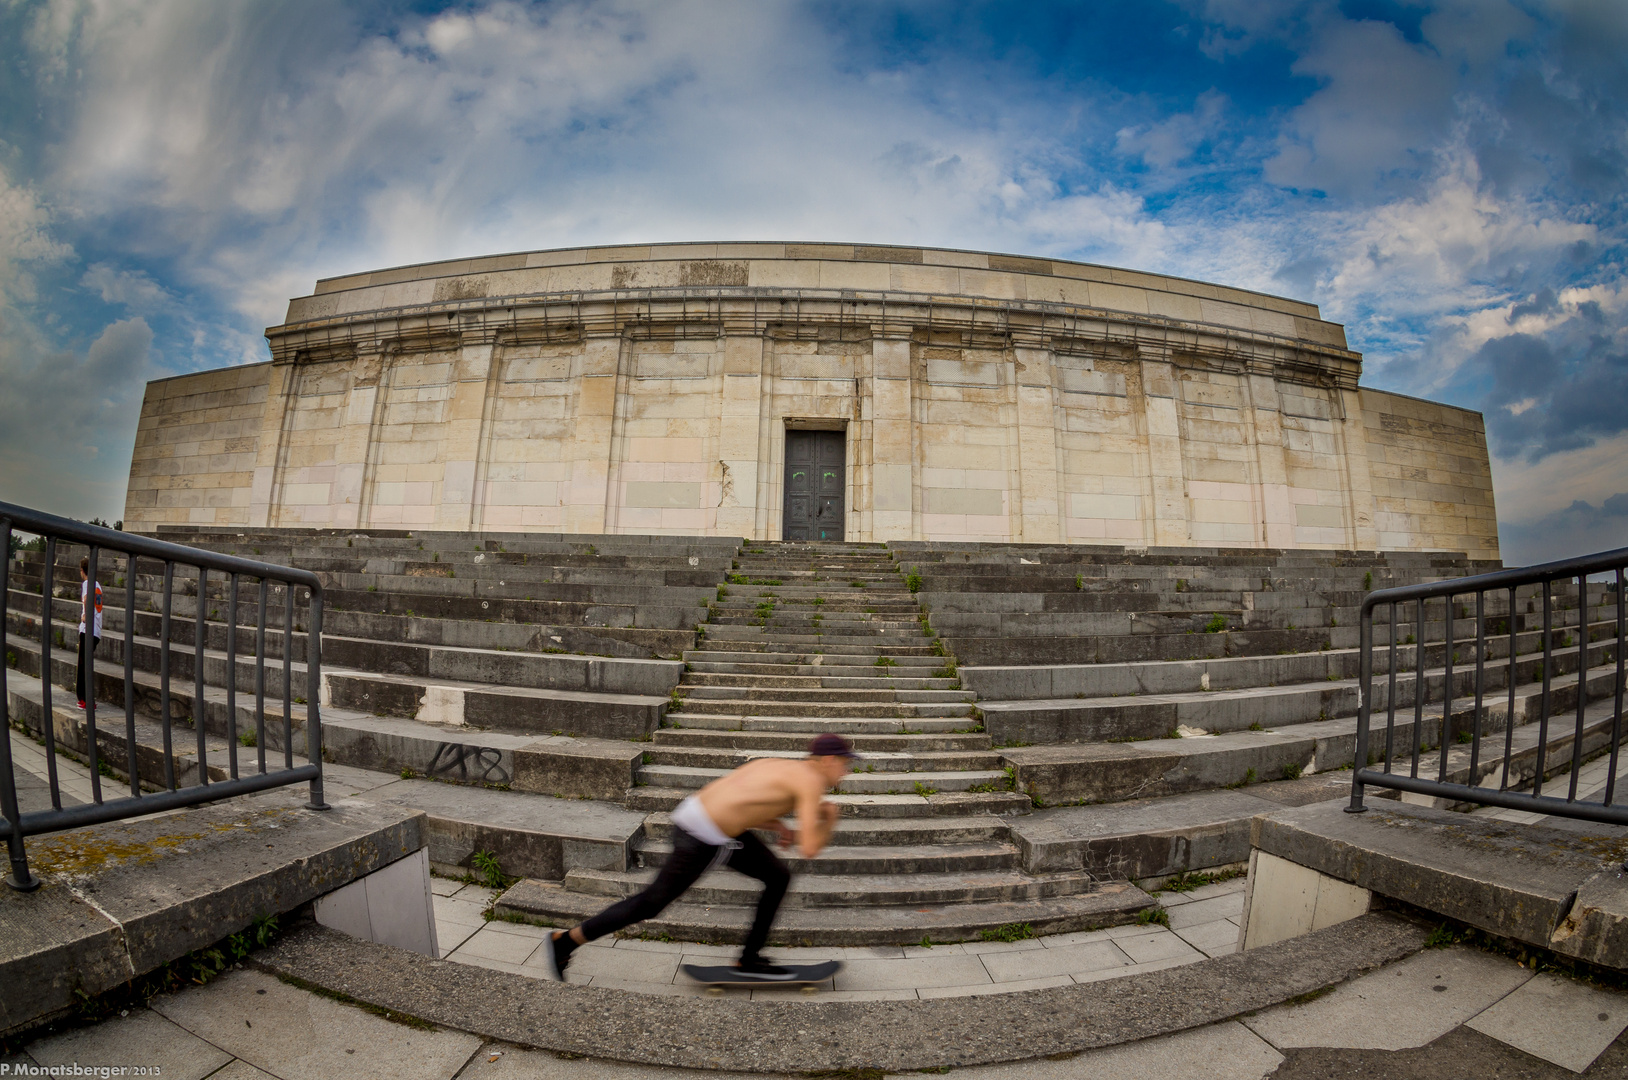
[(814, 485)]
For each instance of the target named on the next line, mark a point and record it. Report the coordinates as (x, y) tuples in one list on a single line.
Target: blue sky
[(1447, 179)]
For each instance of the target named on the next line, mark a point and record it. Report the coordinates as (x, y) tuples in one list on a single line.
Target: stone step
[(822, 709), (488, 706), (853, 667), (1149, 716), (865, 743), (871, 807), (847, 678), (854, 832), (1112, 772), (896, 764), (1106, 904), (866, 653), (807, 725), (944, 857), (879, 783), (884, 690), (846, 890)]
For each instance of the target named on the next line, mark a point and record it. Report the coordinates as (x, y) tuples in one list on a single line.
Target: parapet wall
[(981, 397)]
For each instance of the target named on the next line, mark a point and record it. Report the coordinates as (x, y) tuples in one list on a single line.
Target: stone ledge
[(799, 1037), (1556, 889), (122, 899)]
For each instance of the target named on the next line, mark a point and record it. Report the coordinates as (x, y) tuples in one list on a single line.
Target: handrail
[(1588, 736), (15, 825)]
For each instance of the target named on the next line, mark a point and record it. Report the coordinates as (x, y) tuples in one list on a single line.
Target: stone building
[(775, 391)]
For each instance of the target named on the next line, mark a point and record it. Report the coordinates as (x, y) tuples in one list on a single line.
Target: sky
[(1446, 179)]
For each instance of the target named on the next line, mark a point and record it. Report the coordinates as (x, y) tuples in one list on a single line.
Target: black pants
[(85, 655), (689, 860)]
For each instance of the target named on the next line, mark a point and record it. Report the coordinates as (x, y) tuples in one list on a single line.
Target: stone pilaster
[(738, 431), (353, 448), (1359, 481), (589, 455), (463, 428), (268, 457), (892, 451), (1041, 513), (1165, 468), (1277, 512)]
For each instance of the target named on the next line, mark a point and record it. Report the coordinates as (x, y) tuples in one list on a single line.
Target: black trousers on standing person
[(86, 653), (690, 859)]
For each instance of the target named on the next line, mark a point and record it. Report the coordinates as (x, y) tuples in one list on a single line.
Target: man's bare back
[(758, 794)]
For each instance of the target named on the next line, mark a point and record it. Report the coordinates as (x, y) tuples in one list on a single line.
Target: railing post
[(313, 696), (19, 878), (1365, 678)]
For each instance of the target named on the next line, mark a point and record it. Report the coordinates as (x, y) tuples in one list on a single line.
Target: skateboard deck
[(806, 976)]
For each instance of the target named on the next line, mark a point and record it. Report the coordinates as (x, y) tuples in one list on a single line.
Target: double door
[(814, 485)]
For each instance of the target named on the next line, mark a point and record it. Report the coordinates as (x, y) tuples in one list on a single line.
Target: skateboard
[(803, 976)]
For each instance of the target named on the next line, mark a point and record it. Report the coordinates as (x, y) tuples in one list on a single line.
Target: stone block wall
[(1431, 476), (196, 448)]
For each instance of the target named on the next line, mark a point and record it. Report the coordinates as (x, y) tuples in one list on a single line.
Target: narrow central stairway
[(814, 637)]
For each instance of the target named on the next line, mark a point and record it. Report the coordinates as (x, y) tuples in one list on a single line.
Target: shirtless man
[(715, 826)]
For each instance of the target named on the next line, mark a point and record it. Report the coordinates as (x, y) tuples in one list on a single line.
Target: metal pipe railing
[(1599, 656), (16, 825)]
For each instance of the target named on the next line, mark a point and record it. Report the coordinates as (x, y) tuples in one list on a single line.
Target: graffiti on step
[(477, 764)]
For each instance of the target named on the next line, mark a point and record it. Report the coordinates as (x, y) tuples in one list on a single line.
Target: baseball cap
[(829, 745)]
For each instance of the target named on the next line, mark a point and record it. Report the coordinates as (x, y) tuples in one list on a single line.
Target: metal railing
[(1496, 633), (54, 534)]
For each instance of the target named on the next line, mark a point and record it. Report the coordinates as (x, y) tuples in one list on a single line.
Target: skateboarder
[(714, 827)]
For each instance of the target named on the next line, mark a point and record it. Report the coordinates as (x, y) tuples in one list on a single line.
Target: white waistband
[(693, 818)]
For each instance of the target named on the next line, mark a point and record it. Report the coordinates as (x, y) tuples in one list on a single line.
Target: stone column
[(1165, 469), (354, 443), (589, 455), (462, 429), (1277, 512), (1041, 518), (280, 385), (892, 441), (738, 432)]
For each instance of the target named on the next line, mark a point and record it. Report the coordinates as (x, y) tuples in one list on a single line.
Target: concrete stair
[(1024, 790)]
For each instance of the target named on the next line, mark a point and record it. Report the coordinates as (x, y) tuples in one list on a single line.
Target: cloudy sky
[(1447, 179)]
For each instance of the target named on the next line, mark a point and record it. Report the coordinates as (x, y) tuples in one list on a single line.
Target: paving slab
[(627, 965), (1226, 1051), (1156, 945), (1563, 1021), (1212, 938), (492, 945), (912, 974), (1408, 1004), (302, 1035), (140, 1039), (1008, 968), (498, 1061), (1207, 910)]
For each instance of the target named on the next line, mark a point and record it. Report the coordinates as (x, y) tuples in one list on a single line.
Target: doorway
[(815, 478)]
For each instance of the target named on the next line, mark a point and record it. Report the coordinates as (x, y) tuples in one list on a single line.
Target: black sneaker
[(553, 966), (758, 969)]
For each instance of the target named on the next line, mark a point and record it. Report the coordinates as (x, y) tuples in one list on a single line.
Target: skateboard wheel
[(715, 991), (810, 991)]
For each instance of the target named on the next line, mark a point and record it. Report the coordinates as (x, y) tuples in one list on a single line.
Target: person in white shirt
[(87, 653)]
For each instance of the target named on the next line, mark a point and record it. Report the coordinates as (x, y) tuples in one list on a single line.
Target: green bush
[(1216, 625)]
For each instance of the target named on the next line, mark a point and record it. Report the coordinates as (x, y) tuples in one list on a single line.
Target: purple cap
[(829, 745)]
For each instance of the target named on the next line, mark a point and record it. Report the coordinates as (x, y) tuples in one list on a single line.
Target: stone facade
[(651, 389)]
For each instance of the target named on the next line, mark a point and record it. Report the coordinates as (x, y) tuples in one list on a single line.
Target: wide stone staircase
[(809, 638), (1041, 727)]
